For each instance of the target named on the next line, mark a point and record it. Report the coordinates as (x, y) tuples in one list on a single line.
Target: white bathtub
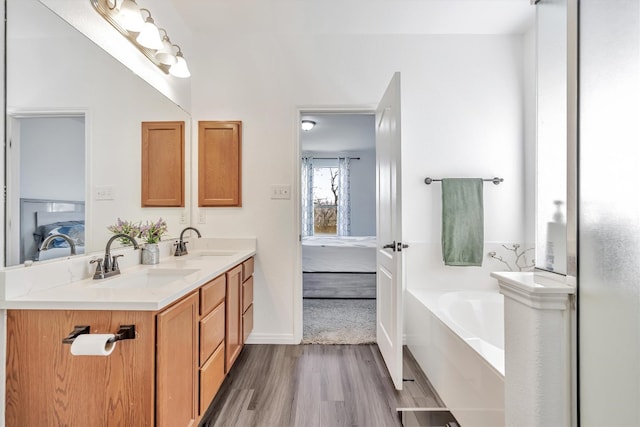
[(457, 337)]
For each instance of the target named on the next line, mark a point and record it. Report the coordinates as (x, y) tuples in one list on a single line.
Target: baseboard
[(257, 338)]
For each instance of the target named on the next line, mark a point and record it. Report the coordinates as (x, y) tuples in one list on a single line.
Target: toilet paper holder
[(126, 332)]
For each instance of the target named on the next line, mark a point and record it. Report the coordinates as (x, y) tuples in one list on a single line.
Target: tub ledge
[(536, 290)]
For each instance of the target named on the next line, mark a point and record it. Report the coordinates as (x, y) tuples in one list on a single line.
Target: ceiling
[(339, 133), (357, 16)]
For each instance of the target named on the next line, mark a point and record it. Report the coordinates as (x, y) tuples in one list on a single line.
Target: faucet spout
[(181, 246), (45, 245), (109, 264)]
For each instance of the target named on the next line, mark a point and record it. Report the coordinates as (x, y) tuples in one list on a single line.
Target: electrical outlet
[(280, 191), (202, 217), (104, 192), (183, 217)]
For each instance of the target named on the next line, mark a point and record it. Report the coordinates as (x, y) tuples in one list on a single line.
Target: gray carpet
[(339, 285), (339, 321)]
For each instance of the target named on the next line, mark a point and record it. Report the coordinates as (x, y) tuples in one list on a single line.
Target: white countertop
[(138, 287)]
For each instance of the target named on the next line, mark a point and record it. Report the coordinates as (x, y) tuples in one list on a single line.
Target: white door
[(389, 231)]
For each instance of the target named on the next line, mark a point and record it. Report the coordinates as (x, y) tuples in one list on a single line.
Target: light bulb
[(149, 36), (165, 55), (180, 69), (129, 16)]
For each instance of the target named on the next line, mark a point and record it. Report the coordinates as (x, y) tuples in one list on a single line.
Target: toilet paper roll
[(92, 345)]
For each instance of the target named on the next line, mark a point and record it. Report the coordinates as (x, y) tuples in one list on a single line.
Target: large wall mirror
[(74, 118), (552, 115)]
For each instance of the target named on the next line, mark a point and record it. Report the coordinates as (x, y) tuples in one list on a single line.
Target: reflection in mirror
[(74, 121), (42, 146), (551, 186)]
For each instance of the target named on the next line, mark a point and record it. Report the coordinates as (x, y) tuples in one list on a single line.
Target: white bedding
[(339, 254)]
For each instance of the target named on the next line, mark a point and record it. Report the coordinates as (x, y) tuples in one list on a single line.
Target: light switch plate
[(104, 192), (280, 191)]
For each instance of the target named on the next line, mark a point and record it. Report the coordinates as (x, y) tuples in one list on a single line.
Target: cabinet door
[(48, 386), (234, 335), (163, 164), (219, 164), (177, 361)]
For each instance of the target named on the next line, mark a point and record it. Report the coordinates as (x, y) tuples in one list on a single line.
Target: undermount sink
[(152, 278)]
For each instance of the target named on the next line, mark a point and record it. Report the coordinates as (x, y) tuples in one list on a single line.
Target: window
[(325, 200)]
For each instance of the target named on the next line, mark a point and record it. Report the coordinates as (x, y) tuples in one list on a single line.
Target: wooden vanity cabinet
[(234, 316), (212, 343), (166, 377), (177, 362), (219, 164), (247, 298)]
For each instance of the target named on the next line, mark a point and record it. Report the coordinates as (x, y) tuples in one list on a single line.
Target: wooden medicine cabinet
[(163, 164), (219, 163)]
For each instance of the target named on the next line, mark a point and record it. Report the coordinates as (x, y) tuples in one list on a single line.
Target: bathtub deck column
[(537, 350)]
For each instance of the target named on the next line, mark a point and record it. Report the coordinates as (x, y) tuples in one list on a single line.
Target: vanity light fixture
[(165, 54), (180, 69), (149, 35), (126, 17), (307, 125)]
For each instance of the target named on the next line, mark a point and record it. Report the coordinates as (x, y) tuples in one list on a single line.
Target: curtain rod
[(495, 180), (333, 158)]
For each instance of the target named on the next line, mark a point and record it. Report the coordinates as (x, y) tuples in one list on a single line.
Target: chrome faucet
[(45, 245), (181, 245), (108, 266)]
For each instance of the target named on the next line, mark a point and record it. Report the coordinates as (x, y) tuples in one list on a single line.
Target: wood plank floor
[(315, 385)]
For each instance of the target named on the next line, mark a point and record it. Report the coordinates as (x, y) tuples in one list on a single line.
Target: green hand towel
[(462, 221)]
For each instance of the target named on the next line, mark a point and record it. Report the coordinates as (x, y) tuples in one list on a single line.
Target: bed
[(342, 254), (42, 218)]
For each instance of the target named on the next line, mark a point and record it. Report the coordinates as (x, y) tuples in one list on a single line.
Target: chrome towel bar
[(495, 180)]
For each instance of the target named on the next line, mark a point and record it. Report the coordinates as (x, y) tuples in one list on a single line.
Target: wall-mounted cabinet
[(219, 164), (162, 164)]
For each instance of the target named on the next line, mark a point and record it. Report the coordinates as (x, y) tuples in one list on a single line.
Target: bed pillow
[(75, 232), (73, 229)]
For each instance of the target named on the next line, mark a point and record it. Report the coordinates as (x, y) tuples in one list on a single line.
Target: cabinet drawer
[(211, 332), (247, 323), (211, 377), (247, 294), (247, 269), (212, 294)]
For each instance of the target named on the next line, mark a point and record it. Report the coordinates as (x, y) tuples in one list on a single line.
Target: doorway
[(338, 224)]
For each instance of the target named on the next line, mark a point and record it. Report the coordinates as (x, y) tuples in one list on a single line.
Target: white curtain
[(306, 184), (344, 199)]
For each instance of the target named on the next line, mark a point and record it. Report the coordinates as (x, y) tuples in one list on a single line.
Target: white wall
[(52, 147), (462, 115)]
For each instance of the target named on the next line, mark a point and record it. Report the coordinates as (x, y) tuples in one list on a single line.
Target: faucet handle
[(99, 274), (114, 262)]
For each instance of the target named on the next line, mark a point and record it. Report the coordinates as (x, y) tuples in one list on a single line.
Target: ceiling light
[(126, 17), (180, 69), (307, 125), (149, 36)]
